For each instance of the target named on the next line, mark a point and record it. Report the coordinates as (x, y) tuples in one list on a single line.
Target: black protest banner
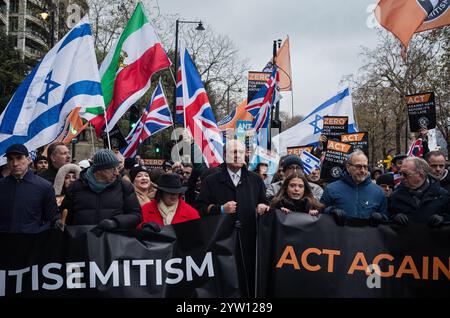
[(421, 111), (304, 256), (298, 150), (336, 155), (255, 81), (191, 259), (359, 140), (334, 126)]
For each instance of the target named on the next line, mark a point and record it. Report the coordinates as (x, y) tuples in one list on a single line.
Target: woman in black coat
[(295, 195)]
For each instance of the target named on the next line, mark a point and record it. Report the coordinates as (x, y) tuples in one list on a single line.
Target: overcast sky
[(325, 38)]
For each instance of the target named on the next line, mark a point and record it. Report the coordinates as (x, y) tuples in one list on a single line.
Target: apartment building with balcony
[(22, 20)]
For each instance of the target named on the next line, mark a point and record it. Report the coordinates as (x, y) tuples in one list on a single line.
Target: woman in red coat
[(168, 207)]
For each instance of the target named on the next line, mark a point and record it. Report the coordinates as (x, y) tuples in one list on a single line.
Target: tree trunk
[(398, 134), (372, 155)]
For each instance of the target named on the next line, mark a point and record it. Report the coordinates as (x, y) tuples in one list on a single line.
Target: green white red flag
[(127, 70)]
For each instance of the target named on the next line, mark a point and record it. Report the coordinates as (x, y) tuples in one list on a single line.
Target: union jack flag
[(416, 148), (198, 114), (179, 99), (155, 118), (261, 104)]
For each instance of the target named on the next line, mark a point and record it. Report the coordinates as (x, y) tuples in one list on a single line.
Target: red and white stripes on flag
[(127, 70), (155, 118)]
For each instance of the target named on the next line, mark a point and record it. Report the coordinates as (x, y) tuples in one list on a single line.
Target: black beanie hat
[(387, 178), (292, 160), (135, 170), (39, 158)]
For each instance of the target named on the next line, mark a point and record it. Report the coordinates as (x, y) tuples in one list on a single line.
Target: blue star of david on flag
[(315, 122), (50, 85)]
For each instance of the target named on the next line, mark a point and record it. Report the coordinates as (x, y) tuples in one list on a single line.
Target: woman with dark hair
[(168, 207), (144, 188), (295, 195)]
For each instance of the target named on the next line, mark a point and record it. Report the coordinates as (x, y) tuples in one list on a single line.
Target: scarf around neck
[(96, 186), (167, 212)]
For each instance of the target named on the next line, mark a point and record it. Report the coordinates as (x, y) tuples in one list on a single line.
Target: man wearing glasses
[(436, 161), (100, 197), (419, 198), (355, 195)]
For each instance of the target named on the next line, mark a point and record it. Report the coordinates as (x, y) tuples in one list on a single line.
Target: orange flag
[(239, 113), (72, 128), (405, 17), (75, 125), (284, 66)]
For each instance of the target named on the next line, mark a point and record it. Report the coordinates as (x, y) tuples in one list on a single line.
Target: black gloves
[(108, 225), (339, 216), (435, 220), (376, 219), (152, 227), (401, 219)]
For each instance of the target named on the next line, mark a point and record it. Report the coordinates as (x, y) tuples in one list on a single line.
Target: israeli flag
[(66, 77), (310, 163), (307, 132), (262, 155)]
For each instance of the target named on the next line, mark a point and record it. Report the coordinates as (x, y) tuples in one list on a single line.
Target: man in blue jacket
[(28, 203), (354, 195)]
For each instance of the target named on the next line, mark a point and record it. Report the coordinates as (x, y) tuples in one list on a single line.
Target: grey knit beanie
[(292, 160), (104, 159)]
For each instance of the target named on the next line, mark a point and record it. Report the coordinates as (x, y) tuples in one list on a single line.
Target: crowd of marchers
[(114, 193)]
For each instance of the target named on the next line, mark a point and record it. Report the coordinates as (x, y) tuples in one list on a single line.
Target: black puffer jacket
[(435, 200), (445, 183), (86, 207)]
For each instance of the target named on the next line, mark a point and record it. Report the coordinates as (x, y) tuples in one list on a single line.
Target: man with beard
[(355, 195)]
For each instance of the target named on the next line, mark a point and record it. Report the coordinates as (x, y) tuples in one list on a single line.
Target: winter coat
[(218, 189), (58, 185), (274, 188), (445, 183), (357, 200), (117, 201), (49, 174), (27, 205), (435, 200), (294, 205), (184, 212)]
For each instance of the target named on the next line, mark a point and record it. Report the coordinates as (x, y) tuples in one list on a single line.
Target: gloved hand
[(340, 216), (376, 219), (151, 226), (401, 219), (108, 225), (435, 220), (60, 225)]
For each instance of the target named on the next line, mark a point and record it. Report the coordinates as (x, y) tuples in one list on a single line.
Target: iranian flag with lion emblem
[(127, 70)]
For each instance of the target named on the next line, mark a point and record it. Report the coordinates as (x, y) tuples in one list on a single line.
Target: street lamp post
[(177, 24), (52, 28), (50, 13)]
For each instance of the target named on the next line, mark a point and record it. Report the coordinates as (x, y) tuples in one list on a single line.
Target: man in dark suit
[(237, 191)]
